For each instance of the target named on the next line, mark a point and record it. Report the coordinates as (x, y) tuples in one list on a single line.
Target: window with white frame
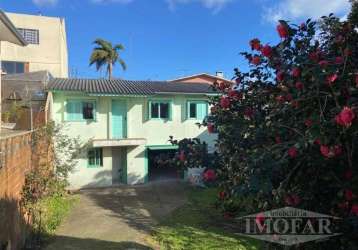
[(159, 110)]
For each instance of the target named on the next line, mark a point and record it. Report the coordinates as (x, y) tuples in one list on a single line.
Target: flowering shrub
[(288, 128)]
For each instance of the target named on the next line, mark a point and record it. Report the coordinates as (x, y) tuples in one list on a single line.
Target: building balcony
[(127, 142)]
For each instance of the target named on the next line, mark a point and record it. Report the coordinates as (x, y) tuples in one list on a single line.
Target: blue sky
[(165, 39)]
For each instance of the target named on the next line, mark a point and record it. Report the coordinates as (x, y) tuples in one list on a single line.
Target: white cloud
[(45, 2), (215, 5), (300, 9), (112, 1)]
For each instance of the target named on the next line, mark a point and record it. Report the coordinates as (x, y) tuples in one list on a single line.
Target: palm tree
[(104, 54)]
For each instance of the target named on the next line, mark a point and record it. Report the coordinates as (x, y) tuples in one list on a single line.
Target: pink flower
[(248, 113), (280, 99), (345, 117), (323, 63), (339, 60), (326, 152), (211, 128), (337, 150), (317, 141), (266, 51), (348, 194), (289, 97), (308, 123), (280, 76), (234, 94), (292, 200), (209, 175), (293, 152), (222, 195), (314, 56), (331, 79), (225, 102), (296, 72), (223, 85), (255, 44), (182, 156), (282, 30), (354, 209), (260, 219), (256, 60), (299, 85)]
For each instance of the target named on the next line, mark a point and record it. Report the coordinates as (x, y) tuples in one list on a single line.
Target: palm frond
[(122, 63), (118, 47), (103, 44)]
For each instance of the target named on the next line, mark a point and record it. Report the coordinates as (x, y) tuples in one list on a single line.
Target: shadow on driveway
[(70, 243), (119, 216)]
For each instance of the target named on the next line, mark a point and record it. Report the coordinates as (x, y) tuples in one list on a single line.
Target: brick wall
[(17, 157), (15, 161)]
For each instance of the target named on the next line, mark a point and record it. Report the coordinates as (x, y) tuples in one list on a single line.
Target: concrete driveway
[(119, 217)]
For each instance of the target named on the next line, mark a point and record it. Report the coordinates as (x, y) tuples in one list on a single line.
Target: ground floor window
[(95, 157)]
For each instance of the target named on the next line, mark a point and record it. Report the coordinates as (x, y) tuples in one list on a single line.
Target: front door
[(119, 120)]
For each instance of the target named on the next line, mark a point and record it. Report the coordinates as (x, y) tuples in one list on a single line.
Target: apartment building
[(46, 50)]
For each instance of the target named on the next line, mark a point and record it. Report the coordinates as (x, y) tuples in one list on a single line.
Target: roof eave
[(7, 22)]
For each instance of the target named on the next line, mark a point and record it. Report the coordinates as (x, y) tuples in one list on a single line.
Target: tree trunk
[(110, 69)]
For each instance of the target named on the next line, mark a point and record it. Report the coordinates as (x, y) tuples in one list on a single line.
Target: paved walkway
[(119, 217)]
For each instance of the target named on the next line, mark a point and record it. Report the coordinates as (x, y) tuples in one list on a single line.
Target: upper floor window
[(10, 67), (197, 110), (80, 110), (30, 35), (160, 110)]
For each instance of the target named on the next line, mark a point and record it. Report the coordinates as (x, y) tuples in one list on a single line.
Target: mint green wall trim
[(146, 163), (161, 147)]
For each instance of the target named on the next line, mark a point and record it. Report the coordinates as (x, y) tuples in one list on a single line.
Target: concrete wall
[(50, 54), (156, 132)]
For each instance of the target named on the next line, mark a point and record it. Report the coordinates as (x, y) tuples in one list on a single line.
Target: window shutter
[(201, 110), (149, 112), (78, 111), (74, 110), (188, 110), (170, 111), (70, 111)]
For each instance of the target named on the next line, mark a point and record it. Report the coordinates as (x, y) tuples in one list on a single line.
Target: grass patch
[(54, 209), (193, 226)]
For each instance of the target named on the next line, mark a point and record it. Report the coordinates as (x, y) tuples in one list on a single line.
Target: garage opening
[(160, 164)]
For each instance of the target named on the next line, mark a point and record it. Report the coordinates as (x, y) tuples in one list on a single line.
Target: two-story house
[(125, 122)]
